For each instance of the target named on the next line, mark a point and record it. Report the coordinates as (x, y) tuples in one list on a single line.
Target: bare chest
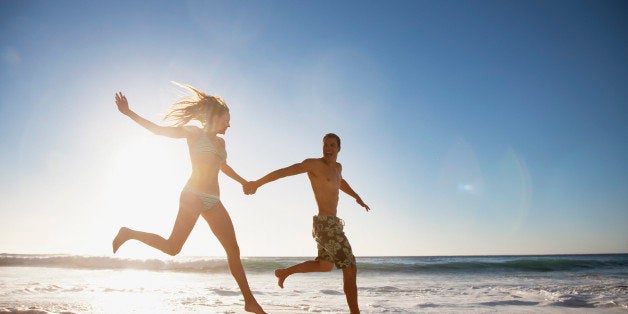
[(329, 176)]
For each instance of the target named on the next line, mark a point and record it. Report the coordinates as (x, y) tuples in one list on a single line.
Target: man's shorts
[(331, 241)]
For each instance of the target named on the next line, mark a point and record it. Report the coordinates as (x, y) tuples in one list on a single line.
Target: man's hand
[(249, 187), (359, 201)]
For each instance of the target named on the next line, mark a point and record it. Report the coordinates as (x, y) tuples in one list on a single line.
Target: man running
[(325, 176)]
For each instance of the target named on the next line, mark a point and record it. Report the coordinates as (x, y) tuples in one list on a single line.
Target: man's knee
[(350, 271), (325, 265)]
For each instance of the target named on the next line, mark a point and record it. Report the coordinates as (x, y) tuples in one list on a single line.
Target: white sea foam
[(420, 285)]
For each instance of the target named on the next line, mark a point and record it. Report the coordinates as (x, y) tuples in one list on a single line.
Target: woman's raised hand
[(123, 104)]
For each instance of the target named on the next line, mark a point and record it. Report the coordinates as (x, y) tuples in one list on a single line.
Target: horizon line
[(302, 256)]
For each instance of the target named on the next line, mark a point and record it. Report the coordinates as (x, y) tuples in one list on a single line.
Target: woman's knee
[(173, 249), (232, 250)]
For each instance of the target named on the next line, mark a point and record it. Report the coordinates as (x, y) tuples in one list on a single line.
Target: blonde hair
[(198, 106)]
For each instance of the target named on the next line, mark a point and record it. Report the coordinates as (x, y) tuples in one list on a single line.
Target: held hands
[(249, 187), (123, 104)]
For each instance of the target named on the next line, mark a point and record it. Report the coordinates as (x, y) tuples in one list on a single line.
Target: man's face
[(330, 147)]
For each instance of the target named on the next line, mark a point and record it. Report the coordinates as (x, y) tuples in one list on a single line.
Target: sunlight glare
[(138, 289), (145, 180)]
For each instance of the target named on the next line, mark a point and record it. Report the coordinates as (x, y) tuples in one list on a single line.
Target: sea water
[(476, 284)]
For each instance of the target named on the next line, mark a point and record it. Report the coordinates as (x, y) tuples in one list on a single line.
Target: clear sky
[(469, 127)]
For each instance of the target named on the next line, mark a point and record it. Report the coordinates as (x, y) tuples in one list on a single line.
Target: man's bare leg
[(305, 267), (351, 288)]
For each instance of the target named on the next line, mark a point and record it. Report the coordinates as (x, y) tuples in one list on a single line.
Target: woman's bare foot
[(281, 276), (122, 236), (253, 307)]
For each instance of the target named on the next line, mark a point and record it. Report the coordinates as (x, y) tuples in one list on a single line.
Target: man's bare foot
[(281, 276), (253, 307), (120, 239)]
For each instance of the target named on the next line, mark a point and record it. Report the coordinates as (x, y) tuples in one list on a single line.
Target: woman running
[(201, 194)]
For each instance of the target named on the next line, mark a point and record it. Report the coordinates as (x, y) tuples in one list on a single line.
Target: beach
[(514, 284)]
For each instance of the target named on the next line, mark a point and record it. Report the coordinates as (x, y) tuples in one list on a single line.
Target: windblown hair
[(198, 106)]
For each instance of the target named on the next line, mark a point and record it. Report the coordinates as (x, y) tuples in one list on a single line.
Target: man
[(333, 247)]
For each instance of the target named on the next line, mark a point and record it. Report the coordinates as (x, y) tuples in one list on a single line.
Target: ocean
[(459, 284)]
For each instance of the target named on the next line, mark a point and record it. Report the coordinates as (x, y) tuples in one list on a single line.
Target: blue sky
[(470, 127)]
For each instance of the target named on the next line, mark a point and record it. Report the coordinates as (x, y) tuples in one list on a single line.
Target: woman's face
[(221, 123)]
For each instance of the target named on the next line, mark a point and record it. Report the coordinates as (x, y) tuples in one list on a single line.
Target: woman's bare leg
[(186, 219), (222, 227)]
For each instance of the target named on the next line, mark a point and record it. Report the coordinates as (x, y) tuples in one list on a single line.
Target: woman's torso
[(207, 155)]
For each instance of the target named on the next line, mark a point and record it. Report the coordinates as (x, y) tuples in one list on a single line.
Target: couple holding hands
[(201, 194)]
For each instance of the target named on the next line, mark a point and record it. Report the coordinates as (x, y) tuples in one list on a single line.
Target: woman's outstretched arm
[(123, 107), (226, 169)]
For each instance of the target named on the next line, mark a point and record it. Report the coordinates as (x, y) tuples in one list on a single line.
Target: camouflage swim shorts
[(331, 241)]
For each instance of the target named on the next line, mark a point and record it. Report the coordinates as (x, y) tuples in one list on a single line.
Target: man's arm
[(344, 186), (251, 187)]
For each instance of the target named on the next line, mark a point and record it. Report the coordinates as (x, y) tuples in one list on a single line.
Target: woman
[(201, 194)]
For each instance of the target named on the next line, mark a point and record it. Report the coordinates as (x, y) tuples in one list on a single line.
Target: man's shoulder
[(310, 163), (318, 163), (311, 160)]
